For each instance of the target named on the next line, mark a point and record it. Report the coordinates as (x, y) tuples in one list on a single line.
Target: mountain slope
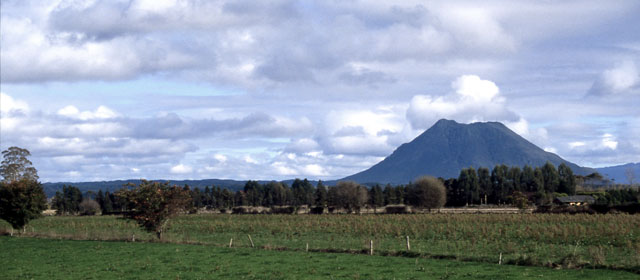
[(447, 147), (618, 172)]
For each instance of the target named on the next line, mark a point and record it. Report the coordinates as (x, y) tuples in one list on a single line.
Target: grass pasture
[(549, 240), (33, 258)]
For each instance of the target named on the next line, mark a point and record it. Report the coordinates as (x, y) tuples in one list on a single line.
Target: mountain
[(447, 147), (618, 173)]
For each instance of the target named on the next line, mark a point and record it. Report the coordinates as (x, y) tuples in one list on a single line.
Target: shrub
[(89, 207), (428, 192), (396, 209), (317, 210)]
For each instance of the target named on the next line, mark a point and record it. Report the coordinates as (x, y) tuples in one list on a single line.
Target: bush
[(428, 192), (317, 210), (283, 210), (89, 207), (396, 209)]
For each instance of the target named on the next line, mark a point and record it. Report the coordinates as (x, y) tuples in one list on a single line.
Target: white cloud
[(181, 169), (323, 84), (220, 158), (473, 100), (620, 79), (102, 112), (609, 141), (576, 144), (9, 105)]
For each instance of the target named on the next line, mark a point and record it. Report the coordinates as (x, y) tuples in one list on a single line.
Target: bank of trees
[(501, 185), (496, 186)]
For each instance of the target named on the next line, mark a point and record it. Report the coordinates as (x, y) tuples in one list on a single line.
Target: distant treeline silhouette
[(501, 185)]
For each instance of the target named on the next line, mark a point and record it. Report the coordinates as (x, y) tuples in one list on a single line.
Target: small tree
[(428, 192), (21, 201), (152, 204), (518, 199)]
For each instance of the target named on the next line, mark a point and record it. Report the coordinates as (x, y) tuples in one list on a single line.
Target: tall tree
[(16, 165), (469, 185), (528, 184), (21, 201), (321, 195), (376, 196), (389, 195), (68, 201), (514, 177), (499, 184), (22, 198), (484, 180), (551, 178), (567, 182), (252, 191)]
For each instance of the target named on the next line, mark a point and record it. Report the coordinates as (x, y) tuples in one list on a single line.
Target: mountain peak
[(447, 147)]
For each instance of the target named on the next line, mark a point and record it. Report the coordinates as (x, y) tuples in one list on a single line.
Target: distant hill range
[(112, 186), (447, 147), (618, 173), (441, 151)]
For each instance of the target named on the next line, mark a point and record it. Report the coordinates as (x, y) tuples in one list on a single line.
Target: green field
[(549, 240), (31, 258)]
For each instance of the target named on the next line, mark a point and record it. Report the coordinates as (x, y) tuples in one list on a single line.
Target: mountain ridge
[(447, 147)]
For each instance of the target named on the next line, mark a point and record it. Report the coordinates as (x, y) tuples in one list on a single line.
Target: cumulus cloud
[(181, 169), (9, 106), (103, 136), (473, 99), (319, 84), (620, 79)]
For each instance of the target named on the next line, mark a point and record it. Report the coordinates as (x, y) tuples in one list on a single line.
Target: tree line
[(497, 186), (500, 185)]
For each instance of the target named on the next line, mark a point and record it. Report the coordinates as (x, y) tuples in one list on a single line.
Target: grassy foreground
[(588, 241), (31, 258)]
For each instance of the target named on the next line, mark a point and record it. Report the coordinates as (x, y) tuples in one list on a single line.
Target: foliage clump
[(428, 192), (152, 204), (21, 201)]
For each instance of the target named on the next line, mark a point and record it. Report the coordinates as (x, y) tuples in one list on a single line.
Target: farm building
[(575, 200)]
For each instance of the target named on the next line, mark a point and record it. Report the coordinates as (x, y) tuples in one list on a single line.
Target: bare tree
[(631, 175)]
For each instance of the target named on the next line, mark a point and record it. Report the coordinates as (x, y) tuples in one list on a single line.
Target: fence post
[(230, 242), (250, 240), (133, 238), (307, 247), (500, 261), (408, 244), (371, 247)]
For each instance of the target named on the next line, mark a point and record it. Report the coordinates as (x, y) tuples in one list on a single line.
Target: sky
[(171, 89)]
